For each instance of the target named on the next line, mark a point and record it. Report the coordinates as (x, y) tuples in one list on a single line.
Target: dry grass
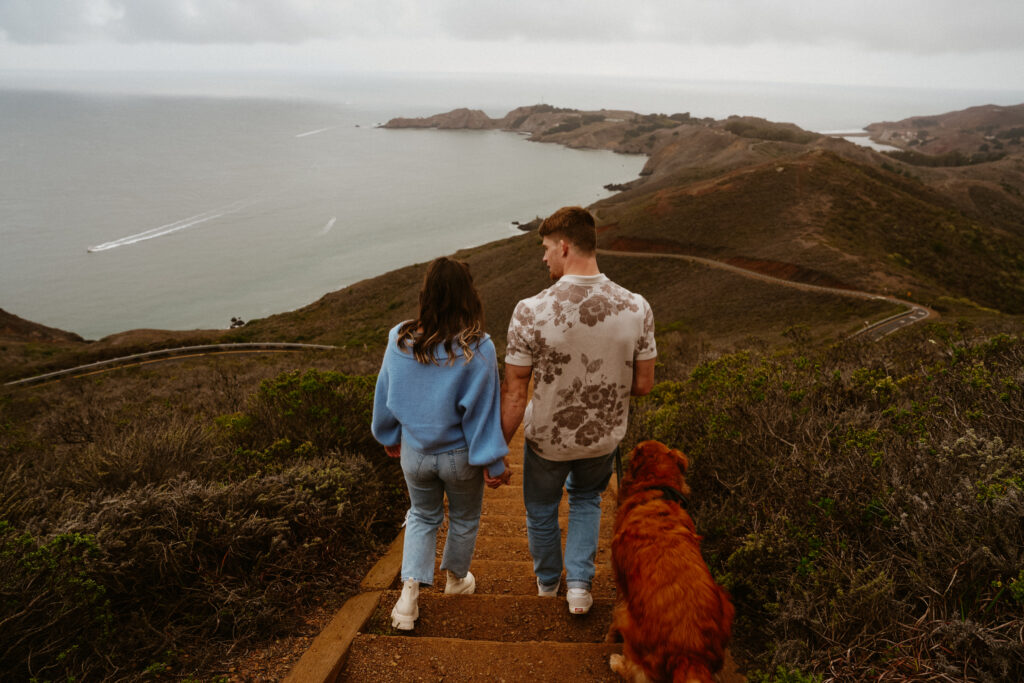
[(156, 518), (864, 503)]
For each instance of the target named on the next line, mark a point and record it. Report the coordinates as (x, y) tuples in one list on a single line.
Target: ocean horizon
[(175, 201)]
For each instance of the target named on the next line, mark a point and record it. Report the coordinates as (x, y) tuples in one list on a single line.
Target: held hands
[(504, 478)]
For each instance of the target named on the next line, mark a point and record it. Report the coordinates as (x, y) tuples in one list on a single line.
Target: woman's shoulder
[(396, 330), (485, 345)]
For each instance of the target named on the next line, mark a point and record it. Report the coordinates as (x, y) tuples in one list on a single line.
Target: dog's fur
[(674, 620)]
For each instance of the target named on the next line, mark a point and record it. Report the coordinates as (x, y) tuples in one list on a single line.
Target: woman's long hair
[(450, 313)]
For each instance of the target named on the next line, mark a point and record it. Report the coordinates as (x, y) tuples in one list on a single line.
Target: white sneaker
[(545, 592), (579, 600), (465, 585), (407, 609)]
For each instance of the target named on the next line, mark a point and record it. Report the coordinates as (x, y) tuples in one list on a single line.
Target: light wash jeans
[(585, 480), (429, 478)]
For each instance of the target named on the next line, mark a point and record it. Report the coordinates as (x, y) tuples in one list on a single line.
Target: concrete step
[(515, 525), (513, 506), (508, 618), (503, 492), (515, 548), (503, 577), (400, 659)]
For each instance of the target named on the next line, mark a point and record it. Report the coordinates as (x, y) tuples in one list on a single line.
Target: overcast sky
[(929, 43)]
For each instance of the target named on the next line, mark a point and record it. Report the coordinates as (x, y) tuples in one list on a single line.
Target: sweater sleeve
[(480, 405), (384, 425)]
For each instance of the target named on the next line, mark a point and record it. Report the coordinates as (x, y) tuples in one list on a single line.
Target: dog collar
[(670, 493)]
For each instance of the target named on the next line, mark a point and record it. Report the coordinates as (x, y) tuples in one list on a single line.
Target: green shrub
[(56, 614), (861, 496), (138, 527), (316, 411)]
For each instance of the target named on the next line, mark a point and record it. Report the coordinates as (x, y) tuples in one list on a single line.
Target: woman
[(437, 408)]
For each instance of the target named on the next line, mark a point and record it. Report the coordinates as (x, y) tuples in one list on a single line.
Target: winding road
[(874, 331), (167, 354)]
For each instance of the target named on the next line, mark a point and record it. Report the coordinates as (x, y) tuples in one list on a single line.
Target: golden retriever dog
[(674, 620)]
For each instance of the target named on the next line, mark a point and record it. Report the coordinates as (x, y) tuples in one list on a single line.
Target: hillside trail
[(874, 331), (503, 632)]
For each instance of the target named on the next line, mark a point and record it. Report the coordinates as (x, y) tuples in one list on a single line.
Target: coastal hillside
[(786, 201), (986, 131), (766, 197), (860, 496)]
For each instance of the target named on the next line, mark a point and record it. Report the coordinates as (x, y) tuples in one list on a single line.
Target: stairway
[(503, 632)]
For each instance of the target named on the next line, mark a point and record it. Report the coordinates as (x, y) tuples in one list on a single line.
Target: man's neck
[(581, 265)]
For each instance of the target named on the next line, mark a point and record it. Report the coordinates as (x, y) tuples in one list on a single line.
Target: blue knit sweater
[(439, 408)]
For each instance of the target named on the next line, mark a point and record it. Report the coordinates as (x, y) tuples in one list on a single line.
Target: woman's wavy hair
[(450, 313)]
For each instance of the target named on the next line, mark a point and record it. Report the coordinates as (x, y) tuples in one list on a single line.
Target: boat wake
[(330, 224), (314, 132), (167, 229)]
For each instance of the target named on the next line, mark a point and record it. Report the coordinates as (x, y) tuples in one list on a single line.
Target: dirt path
[(161, 355), (503, 632), (875, 331)]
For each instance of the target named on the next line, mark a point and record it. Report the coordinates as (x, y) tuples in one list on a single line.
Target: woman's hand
[(394, 451), (503, 478)]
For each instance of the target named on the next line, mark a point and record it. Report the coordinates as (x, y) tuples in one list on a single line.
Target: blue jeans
[(429, 478), (585, 480)]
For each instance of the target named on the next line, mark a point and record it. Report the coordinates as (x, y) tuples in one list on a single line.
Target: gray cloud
[(188, 21), (908, 26)]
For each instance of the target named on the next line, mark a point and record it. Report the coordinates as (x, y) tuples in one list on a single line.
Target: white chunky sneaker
[(407, 609), (545, 592), (465, 585), (579, 600)]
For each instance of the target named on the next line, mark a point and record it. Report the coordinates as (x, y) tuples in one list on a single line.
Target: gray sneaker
[(579, 600), (545, 592)]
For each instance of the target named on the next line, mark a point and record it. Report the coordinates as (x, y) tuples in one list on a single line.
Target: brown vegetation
[(154, 518), (863, 504)]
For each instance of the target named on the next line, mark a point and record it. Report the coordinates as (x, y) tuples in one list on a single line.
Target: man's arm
[(514, 398), (643, 377)]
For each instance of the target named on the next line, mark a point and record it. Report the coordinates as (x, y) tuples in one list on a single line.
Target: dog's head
[(652, 463)]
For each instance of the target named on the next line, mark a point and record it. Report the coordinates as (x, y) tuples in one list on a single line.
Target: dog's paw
[(618, 664)]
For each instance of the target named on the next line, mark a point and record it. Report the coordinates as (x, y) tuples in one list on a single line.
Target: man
[(588, 344)]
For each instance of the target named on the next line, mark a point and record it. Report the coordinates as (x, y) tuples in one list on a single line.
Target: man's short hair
[(575, 225)]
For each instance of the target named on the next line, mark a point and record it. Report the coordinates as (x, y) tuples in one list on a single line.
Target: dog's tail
[(691, 671)]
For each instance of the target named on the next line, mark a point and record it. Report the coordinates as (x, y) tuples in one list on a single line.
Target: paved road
[(167, 354), (875, 331)]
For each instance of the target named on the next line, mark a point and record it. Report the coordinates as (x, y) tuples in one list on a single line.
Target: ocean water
[(160, 200), (127, 212)]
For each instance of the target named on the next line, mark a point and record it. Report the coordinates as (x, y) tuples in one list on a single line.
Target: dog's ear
[(682, 462)]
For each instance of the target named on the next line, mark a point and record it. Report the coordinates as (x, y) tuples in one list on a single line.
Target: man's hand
[(394, 451)]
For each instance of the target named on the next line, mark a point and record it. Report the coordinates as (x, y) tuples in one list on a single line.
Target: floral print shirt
[(581, 337)]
